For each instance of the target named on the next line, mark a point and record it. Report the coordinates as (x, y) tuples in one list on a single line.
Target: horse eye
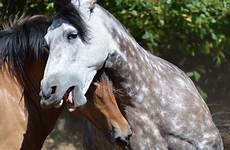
[(72, 36)]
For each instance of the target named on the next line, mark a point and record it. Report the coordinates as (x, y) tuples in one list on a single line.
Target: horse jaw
[(79, 85)]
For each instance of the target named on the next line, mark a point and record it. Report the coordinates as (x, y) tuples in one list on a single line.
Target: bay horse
[(166, 110), (22, 63)]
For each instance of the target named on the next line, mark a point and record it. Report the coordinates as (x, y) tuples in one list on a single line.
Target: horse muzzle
[(122, 136), (55, 88)]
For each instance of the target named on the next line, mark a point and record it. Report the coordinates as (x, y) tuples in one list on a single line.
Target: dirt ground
[(221, 116), (66, 135)]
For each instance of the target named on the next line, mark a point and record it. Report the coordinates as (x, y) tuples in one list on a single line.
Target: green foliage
[(12, 7), (194, 34), (187, 28)]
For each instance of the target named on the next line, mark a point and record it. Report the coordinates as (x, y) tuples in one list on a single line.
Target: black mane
[(23, 39), (66, 10)]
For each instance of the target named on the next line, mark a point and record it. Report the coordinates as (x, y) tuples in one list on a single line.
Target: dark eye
[(72, 36)]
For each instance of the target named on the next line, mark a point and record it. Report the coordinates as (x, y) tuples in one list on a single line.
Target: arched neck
[(128, 61)]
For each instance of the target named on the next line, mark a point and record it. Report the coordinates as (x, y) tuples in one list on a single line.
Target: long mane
[(22, 40)]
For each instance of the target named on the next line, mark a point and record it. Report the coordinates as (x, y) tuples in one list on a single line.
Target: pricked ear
[(87, 4), (92, 5)]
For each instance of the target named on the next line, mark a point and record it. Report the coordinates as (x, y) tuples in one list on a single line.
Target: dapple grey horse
[(164, 107)]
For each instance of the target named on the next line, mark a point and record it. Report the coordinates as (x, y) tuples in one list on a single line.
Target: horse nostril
[(46, 94), (54, 88)]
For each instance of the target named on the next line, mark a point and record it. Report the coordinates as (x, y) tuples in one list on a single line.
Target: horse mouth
[(69, 98), (72, 99), (120, 140)]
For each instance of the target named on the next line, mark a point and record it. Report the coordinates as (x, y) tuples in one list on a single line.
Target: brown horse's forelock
[(21, 42)]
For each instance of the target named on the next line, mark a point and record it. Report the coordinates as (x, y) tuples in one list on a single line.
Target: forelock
[(67, 13)]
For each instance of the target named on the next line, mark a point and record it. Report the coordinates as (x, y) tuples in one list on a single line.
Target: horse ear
[(92, 5), (89, 4)]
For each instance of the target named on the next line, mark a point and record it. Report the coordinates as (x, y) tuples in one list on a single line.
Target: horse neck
[(11, 93), (9, 82), (128, 63)]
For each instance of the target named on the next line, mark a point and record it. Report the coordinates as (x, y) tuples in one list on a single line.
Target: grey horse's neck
[(130, 64), (132, 74)]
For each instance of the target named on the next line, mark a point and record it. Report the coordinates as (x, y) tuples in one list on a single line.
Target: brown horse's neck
[(12, 112), (24, 86)]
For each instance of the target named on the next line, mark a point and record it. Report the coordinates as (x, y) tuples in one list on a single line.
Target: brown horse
[(17, 43), (97, 110), (23, 57), (103, 112), (35, 122), (12, 116)]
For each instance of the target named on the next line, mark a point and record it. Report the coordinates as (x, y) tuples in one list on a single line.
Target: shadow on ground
[(67, 135)]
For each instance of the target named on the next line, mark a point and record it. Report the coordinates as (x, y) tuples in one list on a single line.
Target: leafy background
[(193, 34)]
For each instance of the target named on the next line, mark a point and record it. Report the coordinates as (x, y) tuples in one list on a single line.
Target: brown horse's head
[(102, 110)]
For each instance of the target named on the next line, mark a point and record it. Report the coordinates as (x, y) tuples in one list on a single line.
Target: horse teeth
[(59, 104), (70, 98)]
